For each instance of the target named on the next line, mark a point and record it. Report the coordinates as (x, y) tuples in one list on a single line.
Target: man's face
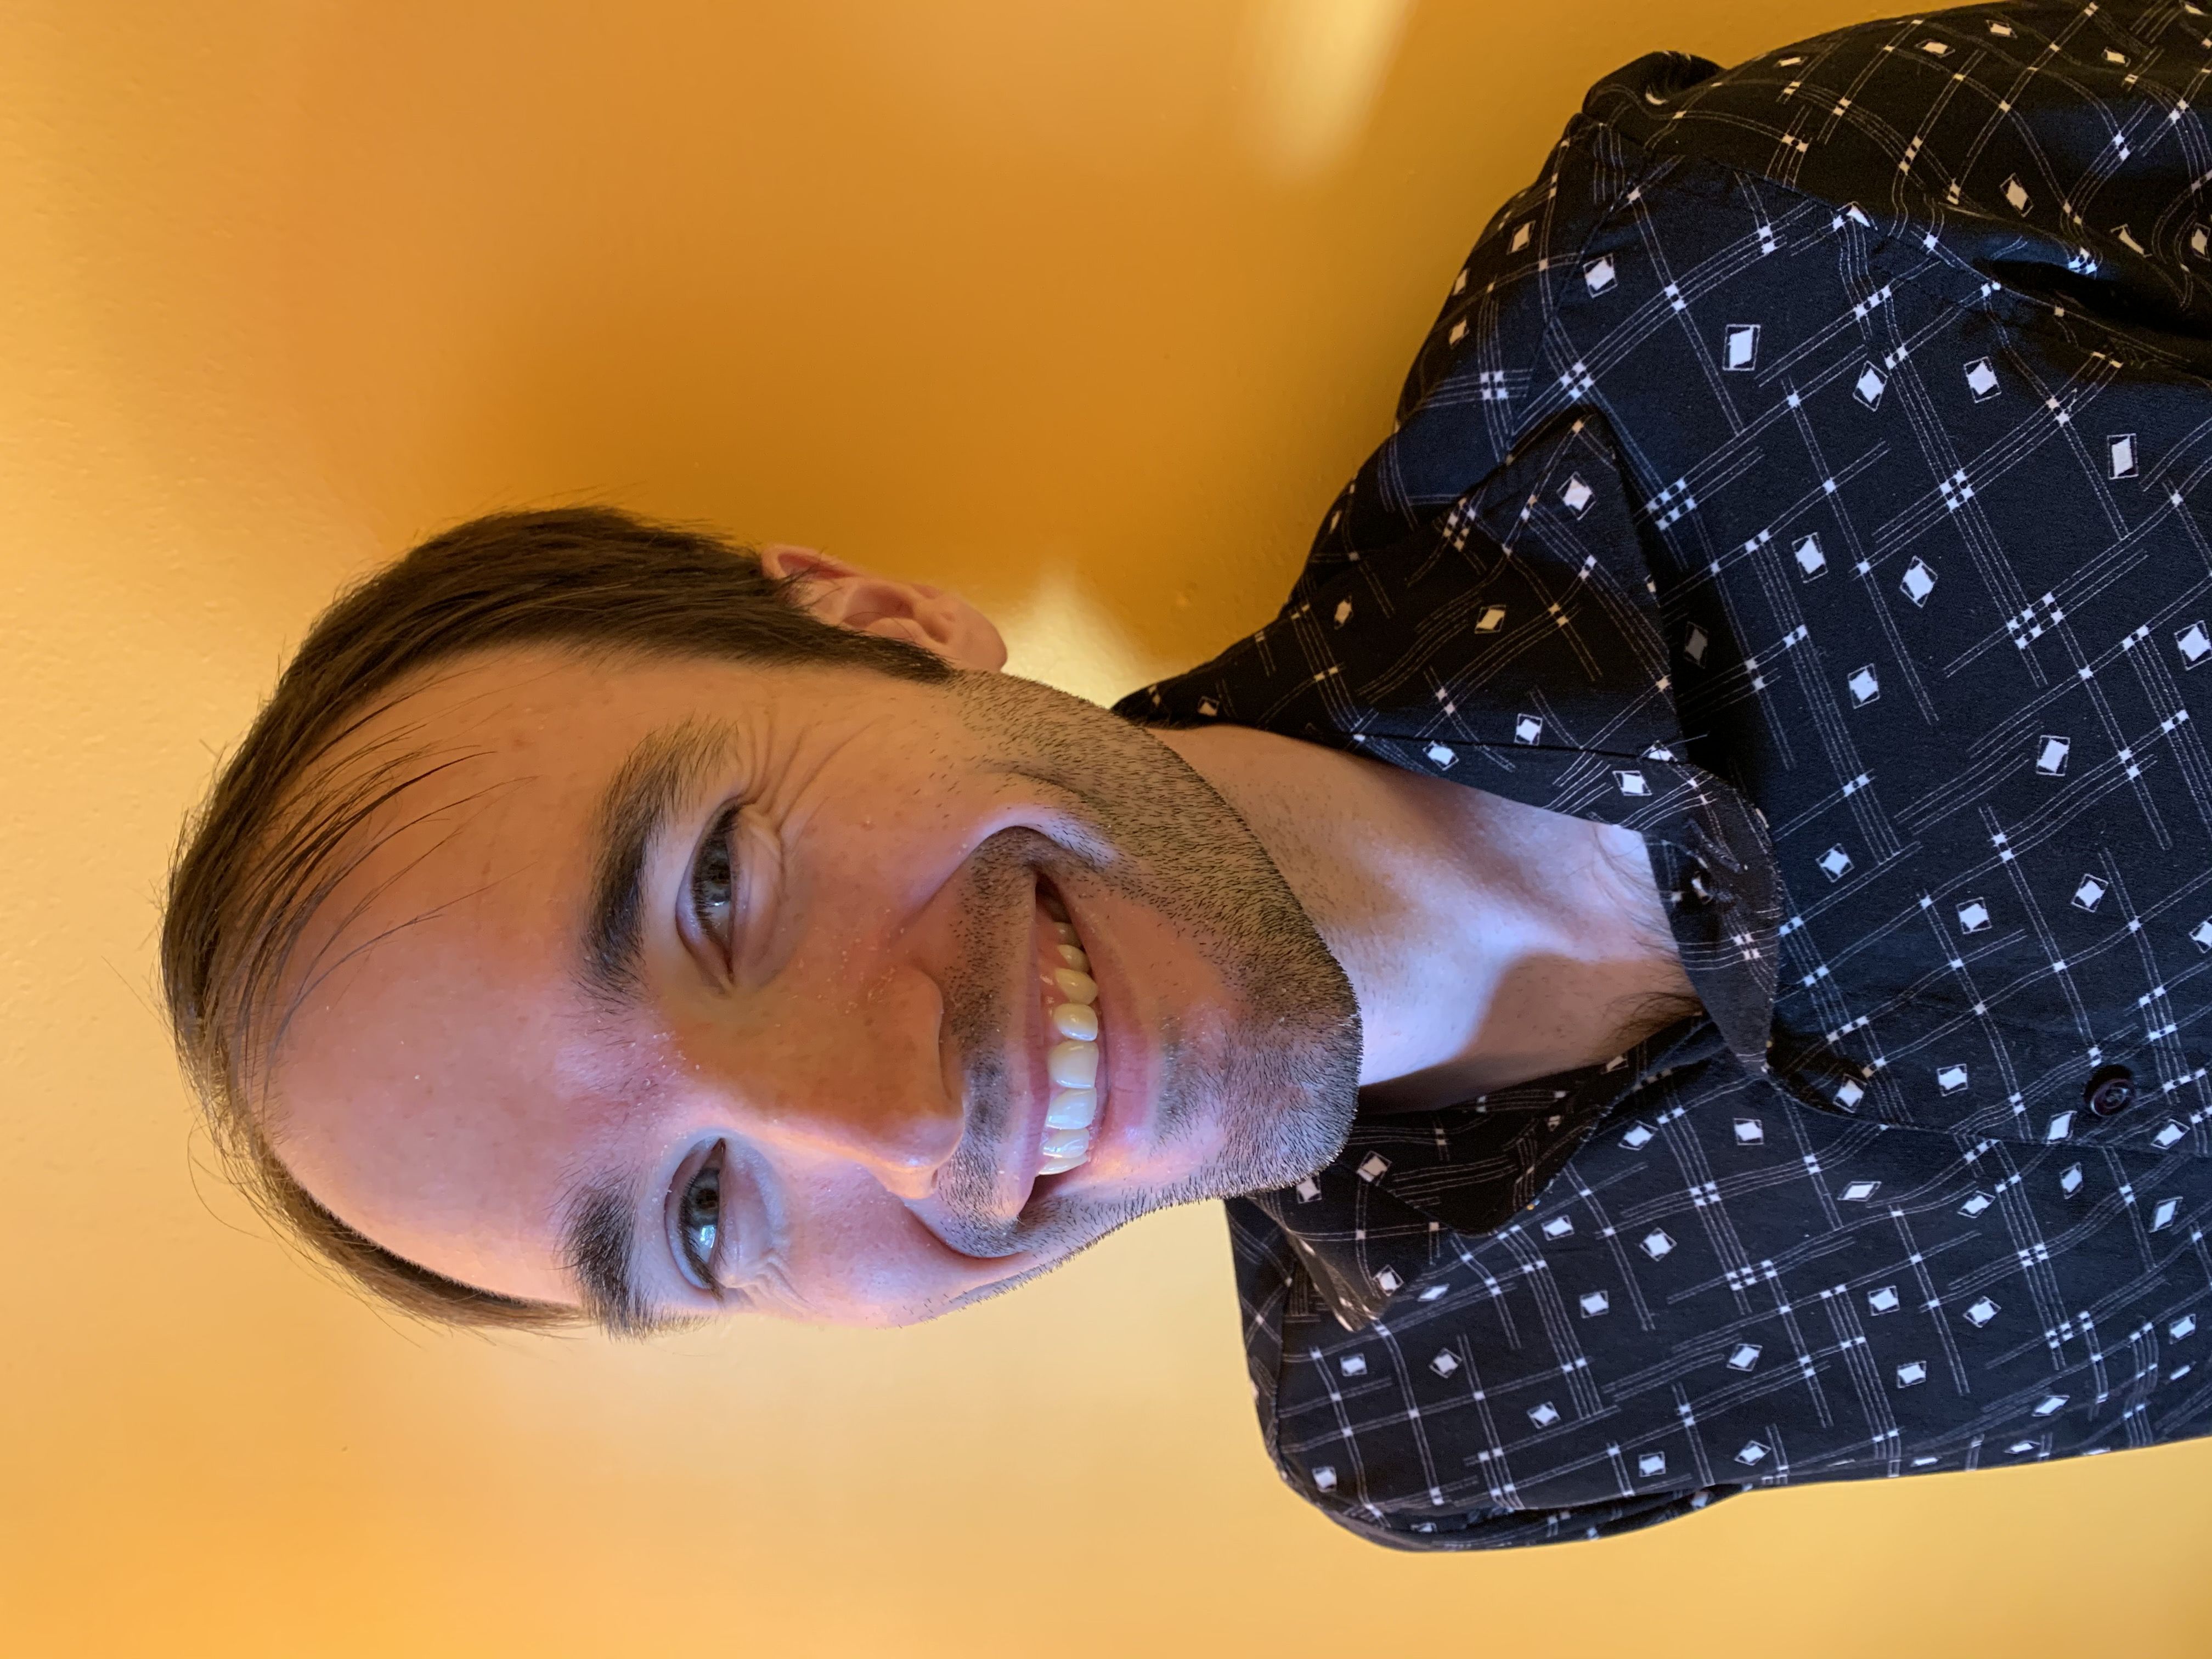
[(672, 987)]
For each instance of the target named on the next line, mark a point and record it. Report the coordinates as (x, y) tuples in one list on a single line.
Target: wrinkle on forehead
[(359, 808), (355, 798), (410, 831), (335, 828), (449, 1070)]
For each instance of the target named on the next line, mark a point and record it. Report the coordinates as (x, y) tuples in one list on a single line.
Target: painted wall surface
[(1084, 307)]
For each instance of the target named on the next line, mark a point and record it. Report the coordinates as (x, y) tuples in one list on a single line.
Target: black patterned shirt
[(1806, 472)]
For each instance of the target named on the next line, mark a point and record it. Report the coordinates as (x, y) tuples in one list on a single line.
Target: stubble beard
[(1281, 1093)]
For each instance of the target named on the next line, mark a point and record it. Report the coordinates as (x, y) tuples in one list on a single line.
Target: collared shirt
[(1807, 472)]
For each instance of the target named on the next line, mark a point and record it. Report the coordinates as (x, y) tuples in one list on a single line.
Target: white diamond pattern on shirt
[(1788, 508)]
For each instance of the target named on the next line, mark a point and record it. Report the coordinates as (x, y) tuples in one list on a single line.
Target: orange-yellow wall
[(1085, 306)]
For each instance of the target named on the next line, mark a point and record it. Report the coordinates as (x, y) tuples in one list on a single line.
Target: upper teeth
[(1071, 1062)]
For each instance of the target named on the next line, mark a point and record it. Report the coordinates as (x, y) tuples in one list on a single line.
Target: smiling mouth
[(1070, 997)]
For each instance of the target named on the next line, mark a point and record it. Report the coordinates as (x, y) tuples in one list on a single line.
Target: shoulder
[(1906, 112)]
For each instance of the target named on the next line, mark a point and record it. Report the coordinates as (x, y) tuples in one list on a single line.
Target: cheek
[(864, 901), (855, 1255), (898, 826)]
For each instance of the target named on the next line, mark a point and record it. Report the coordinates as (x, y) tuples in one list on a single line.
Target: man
[(1686, 944)]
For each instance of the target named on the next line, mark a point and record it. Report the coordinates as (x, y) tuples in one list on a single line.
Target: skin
[(1279, 932)]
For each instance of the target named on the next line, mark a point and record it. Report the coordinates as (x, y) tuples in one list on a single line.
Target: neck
[(1489, 943)]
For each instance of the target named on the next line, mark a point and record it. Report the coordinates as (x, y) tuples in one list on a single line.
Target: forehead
[(520, 701), (475, 802), (441, 1022), (438, 1017)]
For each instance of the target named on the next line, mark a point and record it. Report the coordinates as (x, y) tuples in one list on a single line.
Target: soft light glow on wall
[(1313, 70), (1060, 633)]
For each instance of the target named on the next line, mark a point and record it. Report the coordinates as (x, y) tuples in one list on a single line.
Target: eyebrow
[(652, 783), (598, 1241), (597, 1245)]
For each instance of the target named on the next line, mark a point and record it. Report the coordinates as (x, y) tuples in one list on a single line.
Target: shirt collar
[(1515, 643)]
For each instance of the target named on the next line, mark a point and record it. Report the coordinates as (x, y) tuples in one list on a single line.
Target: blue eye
[(714, 878), (699, 1218)]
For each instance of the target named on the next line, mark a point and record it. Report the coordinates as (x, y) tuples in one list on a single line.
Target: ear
[(845, 596)]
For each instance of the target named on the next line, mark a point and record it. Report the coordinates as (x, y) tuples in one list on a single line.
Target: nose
[(903, 1145), (861, 1076)]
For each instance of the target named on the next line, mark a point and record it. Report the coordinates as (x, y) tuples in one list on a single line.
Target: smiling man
[(1686, 944), (674, 985), (848, 977)]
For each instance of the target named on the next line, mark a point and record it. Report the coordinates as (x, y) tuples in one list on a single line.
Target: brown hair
[(280, 825)]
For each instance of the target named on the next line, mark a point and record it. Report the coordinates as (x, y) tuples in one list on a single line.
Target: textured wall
[(1085, 306)]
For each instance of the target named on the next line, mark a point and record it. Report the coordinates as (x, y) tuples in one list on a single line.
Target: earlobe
[(845, 596)]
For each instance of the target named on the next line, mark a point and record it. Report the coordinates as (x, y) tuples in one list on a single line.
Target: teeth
[(1072, 1108), (1072, 1019), (1071, 1062), (1065, 1144)]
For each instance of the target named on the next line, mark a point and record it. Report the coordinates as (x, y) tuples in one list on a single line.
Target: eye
[(699, 1219), (714, 878)]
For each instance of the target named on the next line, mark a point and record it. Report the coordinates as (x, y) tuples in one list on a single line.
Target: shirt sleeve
[(2053, 147)]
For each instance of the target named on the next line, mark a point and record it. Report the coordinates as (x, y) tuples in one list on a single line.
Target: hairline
[(593, 580), (657, 780), (661, 775)]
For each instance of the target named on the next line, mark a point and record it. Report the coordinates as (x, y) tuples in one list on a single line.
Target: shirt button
[(2110, 1090)]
